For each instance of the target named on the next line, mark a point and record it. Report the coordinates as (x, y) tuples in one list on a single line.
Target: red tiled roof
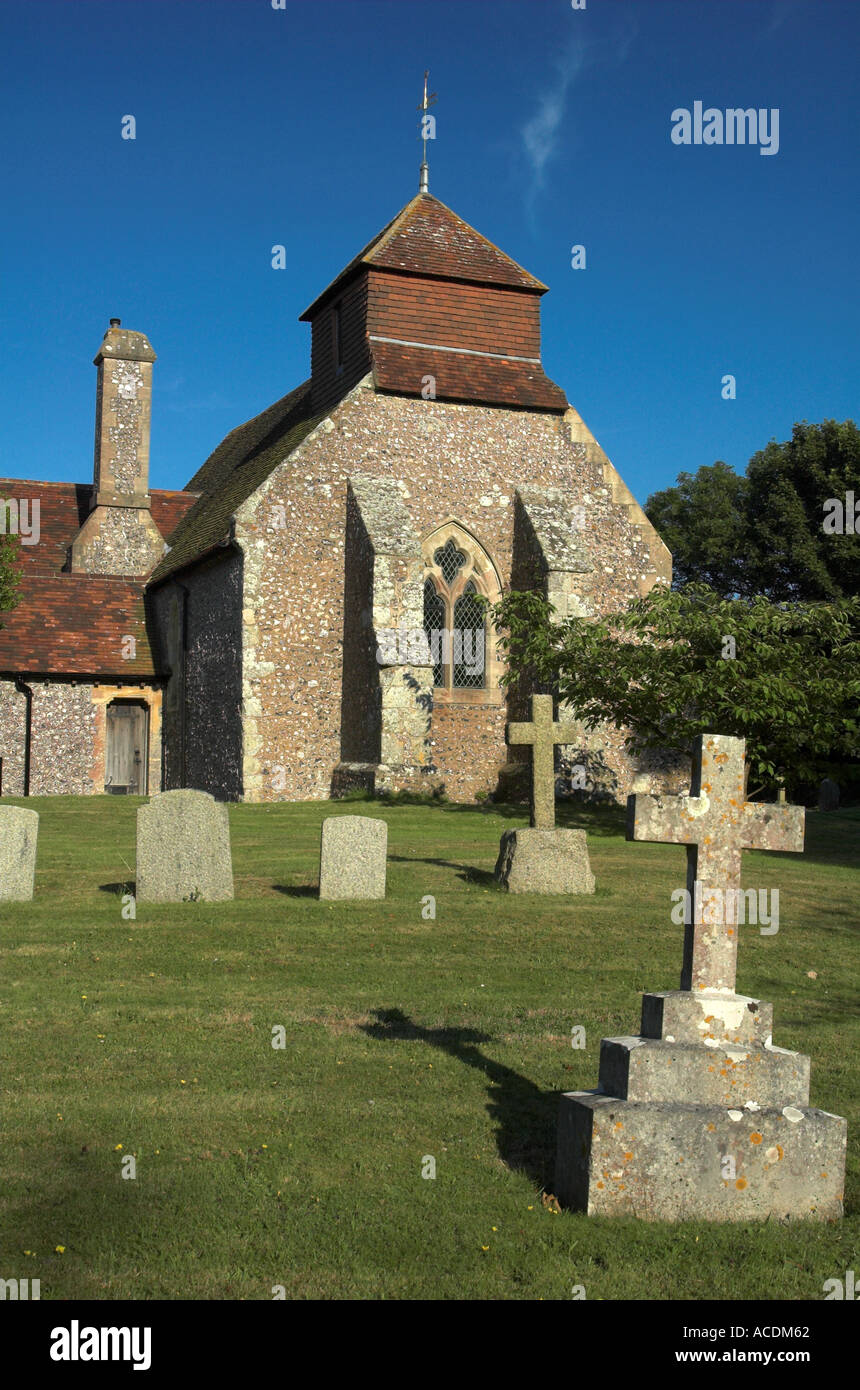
[(461, 376), (427, 238), (63, 509), (74, 625), (169, 508)]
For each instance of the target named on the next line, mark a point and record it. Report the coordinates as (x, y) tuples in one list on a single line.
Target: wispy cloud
[(540, 134), (782, 10)]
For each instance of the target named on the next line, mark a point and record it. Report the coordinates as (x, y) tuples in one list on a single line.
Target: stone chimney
[(119, 536)]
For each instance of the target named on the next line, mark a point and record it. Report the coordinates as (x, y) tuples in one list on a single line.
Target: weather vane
[(428, 132)]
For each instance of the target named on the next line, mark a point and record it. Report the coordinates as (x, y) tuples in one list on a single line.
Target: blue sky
[(258, 127)]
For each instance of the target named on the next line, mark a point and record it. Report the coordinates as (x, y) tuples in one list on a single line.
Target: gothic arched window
[(469, 666), (461, 582), (434, 621)]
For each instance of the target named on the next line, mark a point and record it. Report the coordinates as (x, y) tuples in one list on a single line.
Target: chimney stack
[(119, 536)]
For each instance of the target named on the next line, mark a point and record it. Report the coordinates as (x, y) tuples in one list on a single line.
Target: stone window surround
[(481, 570)]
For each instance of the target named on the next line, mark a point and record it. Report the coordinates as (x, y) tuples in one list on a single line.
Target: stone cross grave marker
[(716, 823), (701, 1117), (543, 859), (543, 735)]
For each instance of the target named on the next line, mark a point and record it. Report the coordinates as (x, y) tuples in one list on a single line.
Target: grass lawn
[(405, 1038)]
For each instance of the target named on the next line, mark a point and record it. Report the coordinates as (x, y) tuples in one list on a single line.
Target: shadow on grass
[(129, 886), (570, 813), (833, 837), (485, 877), (525, 1115), (298, 890)]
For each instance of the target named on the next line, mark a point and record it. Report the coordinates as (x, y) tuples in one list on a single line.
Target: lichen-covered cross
[(715, 822), (543, 735)]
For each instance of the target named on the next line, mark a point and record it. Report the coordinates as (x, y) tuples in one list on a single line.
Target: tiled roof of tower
[(498, 381), (427, 238)]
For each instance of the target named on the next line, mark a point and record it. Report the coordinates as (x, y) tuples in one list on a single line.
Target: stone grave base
[(544, 861), (665, 1161), (700, 1117)]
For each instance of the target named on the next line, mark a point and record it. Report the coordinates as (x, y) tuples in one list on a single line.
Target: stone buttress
[(387, 702)]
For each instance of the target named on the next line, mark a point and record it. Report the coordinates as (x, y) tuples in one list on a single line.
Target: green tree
[(10, 572), (787, 486), (679, 663), (703, 522), (764, 534)]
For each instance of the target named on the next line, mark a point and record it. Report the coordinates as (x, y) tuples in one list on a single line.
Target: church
[(235, 637)]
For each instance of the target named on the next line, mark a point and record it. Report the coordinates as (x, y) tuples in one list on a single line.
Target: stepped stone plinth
[(700, 1116)]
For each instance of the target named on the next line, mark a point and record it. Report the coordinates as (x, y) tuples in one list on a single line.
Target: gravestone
[(19, 832), (183, 849), (353, 857), (828, 795), (701, 1117), (543, 859)]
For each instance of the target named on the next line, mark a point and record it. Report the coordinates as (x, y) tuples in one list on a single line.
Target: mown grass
[(405, 1037)]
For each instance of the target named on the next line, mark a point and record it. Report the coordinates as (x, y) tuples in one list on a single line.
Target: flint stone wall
[(199, 625)]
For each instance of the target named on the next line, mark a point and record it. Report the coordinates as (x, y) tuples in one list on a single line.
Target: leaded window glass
[(469, 672), (434, 623), (450, 560)]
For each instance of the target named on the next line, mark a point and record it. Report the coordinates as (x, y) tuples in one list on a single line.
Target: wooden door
[(126, 748)]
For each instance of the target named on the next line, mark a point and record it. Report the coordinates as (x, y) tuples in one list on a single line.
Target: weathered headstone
[(543, 859), (19, 832), (828, 795), (183, 849), (353, 857), (701, 1116)]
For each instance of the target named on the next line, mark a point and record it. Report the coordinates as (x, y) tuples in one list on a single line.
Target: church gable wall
[(449, 461), (166, 610)]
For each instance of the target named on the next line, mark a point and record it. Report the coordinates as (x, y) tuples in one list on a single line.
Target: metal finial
[(424, 177)]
